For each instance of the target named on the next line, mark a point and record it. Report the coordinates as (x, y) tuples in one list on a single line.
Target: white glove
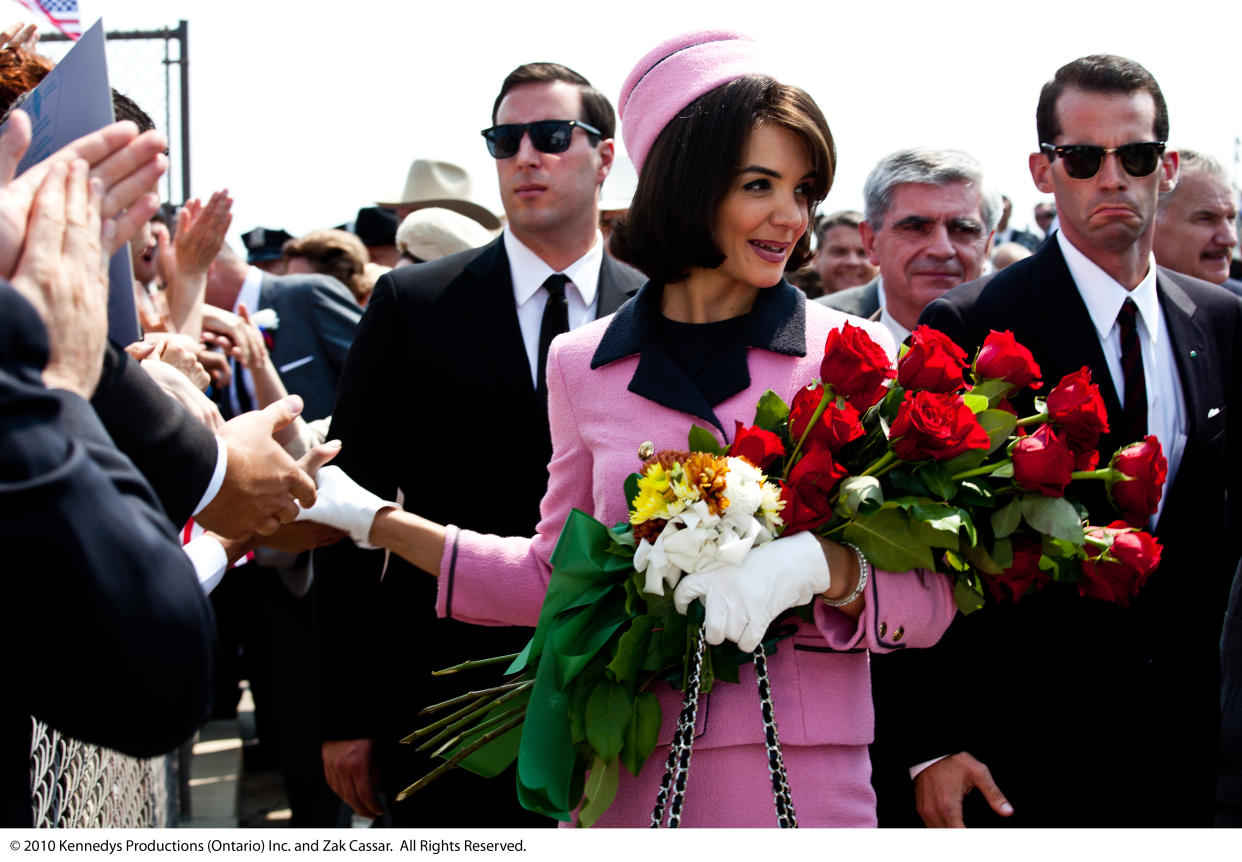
[(741, 601), (342, 503)]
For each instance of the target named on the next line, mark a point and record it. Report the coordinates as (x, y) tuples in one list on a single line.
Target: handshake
[(342, 503)]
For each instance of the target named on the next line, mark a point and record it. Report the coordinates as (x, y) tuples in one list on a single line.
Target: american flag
[(62, 13)]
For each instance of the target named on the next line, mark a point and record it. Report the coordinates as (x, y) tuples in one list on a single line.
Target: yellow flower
[(655, 493)]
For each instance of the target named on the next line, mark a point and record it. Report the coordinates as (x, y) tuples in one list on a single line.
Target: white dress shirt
[(529, 272), (899, 332), (1104, 296)]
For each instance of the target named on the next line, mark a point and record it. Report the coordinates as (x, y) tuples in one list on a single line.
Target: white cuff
[(209, 561), (919, 767), (217, 478)]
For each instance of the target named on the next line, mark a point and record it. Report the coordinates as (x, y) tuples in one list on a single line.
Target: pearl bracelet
[(864, 571)]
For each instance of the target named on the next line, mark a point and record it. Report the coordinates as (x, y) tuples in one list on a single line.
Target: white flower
[(265, 318)]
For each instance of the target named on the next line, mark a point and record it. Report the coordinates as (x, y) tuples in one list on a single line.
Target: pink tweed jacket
[(820, 678)]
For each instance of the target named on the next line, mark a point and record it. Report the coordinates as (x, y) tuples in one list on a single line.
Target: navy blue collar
[(776, 323)]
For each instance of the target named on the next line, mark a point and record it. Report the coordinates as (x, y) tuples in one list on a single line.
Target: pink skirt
[(729, 787)]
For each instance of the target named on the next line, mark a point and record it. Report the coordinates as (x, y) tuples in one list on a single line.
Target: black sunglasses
[(547, 136), (1083, 161)]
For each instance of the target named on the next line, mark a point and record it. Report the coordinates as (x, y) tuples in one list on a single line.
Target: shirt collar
[(529, 271), (1103, 295), (249, 293)]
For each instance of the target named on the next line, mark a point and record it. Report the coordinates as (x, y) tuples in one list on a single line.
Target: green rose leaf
[(905, 483), (886, 539), (999, 424), (936, 526), (856, 492), (976, 403), (1055, 516), (600, 790), (608, 712), (1007, 518), (938, 479), (975, 494), (995, 391), (642, 732), (702, 440), (968, 596), (771, 412)]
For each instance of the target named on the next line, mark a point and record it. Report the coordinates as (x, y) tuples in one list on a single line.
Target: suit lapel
[(1192, 351), (613, 291), (487, 294), (1065, 334)]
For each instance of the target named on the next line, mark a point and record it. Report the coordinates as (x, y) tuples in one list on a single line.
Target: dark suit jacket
[(174, 451), (1089, 713), (862, 301), (436, 400), (109, 635), (1229, 782), (318, 319)]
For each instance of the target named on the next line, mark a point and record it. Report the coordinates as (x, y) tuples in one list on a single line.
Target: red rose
[(1042, 462), (933, 362), (757, 446), (1022, 577), (1002, 358), (1088, 460), (808, 492), (1117, 574), (1078, 410), (855, 366), (836, 426), (1139, 496), (935, 425)]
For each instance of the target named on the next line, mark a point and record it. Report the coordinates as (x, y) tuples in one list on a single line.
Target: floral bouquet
[(922, 465)]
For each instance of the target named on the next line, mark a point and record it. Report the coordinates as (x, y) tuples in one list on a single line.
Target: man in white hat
[(435, 232), (443, 398), (433, 183)]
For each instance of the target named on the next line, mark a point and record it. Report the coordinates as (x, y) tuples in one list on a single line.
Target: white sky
[(308, 110)]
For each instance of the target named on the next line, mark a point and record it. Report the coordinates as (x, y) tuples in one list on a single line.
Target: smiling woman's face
[(767, 208)]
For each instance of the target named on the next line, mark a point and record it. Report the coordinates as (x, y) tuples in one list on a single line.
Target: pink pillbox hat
[(675, 73)]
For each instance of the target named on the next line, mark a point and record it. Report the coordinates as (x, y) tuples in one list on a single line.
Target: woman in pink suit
[(732, 166)]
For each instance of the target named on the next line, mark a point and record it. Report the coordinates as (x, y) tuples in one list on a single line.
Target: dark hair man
[(443, 398), (1085, 712), (840, 260)]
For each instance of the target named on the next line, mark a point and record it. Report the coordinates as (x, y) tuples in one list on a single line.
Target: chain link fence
[(74, 784), (152, 68)]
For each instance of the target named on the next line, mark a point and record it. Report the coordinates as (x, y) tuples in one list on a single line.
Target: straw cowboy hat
[(441, 184)]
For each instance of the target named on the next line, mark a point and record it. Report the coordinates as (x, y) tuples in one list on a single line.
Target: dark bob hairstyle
[(693, 165)]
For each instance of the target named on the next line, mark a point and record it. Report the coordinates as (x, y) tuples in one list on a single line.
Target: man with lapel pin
[(1066, 710), (443, 401)]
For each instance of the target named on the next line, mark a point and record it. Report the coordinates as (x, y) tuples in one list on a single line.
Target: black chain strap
[(785, 815), (677, 768)]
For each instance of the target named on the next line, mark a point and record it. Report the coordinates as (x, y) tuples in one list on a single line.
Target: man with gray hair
[(1196, 220), (929, 219)]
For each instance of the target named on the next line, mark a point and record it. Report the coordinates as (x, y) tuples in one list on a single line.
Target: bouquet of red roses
[(921, 465), (926, 465)]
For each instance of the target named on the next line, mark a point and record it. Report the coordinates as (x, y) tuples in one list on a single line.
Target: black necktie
[(1134, 413), (555, 321)]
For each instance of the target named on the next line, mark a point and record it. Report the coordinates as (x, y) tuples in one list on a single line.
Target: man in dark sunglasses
[(1086, 712), (443, 397)]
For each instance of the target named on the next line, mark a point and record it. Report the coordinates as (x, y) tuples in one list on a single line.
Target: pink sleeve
[(494, 580), (903, 610)]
